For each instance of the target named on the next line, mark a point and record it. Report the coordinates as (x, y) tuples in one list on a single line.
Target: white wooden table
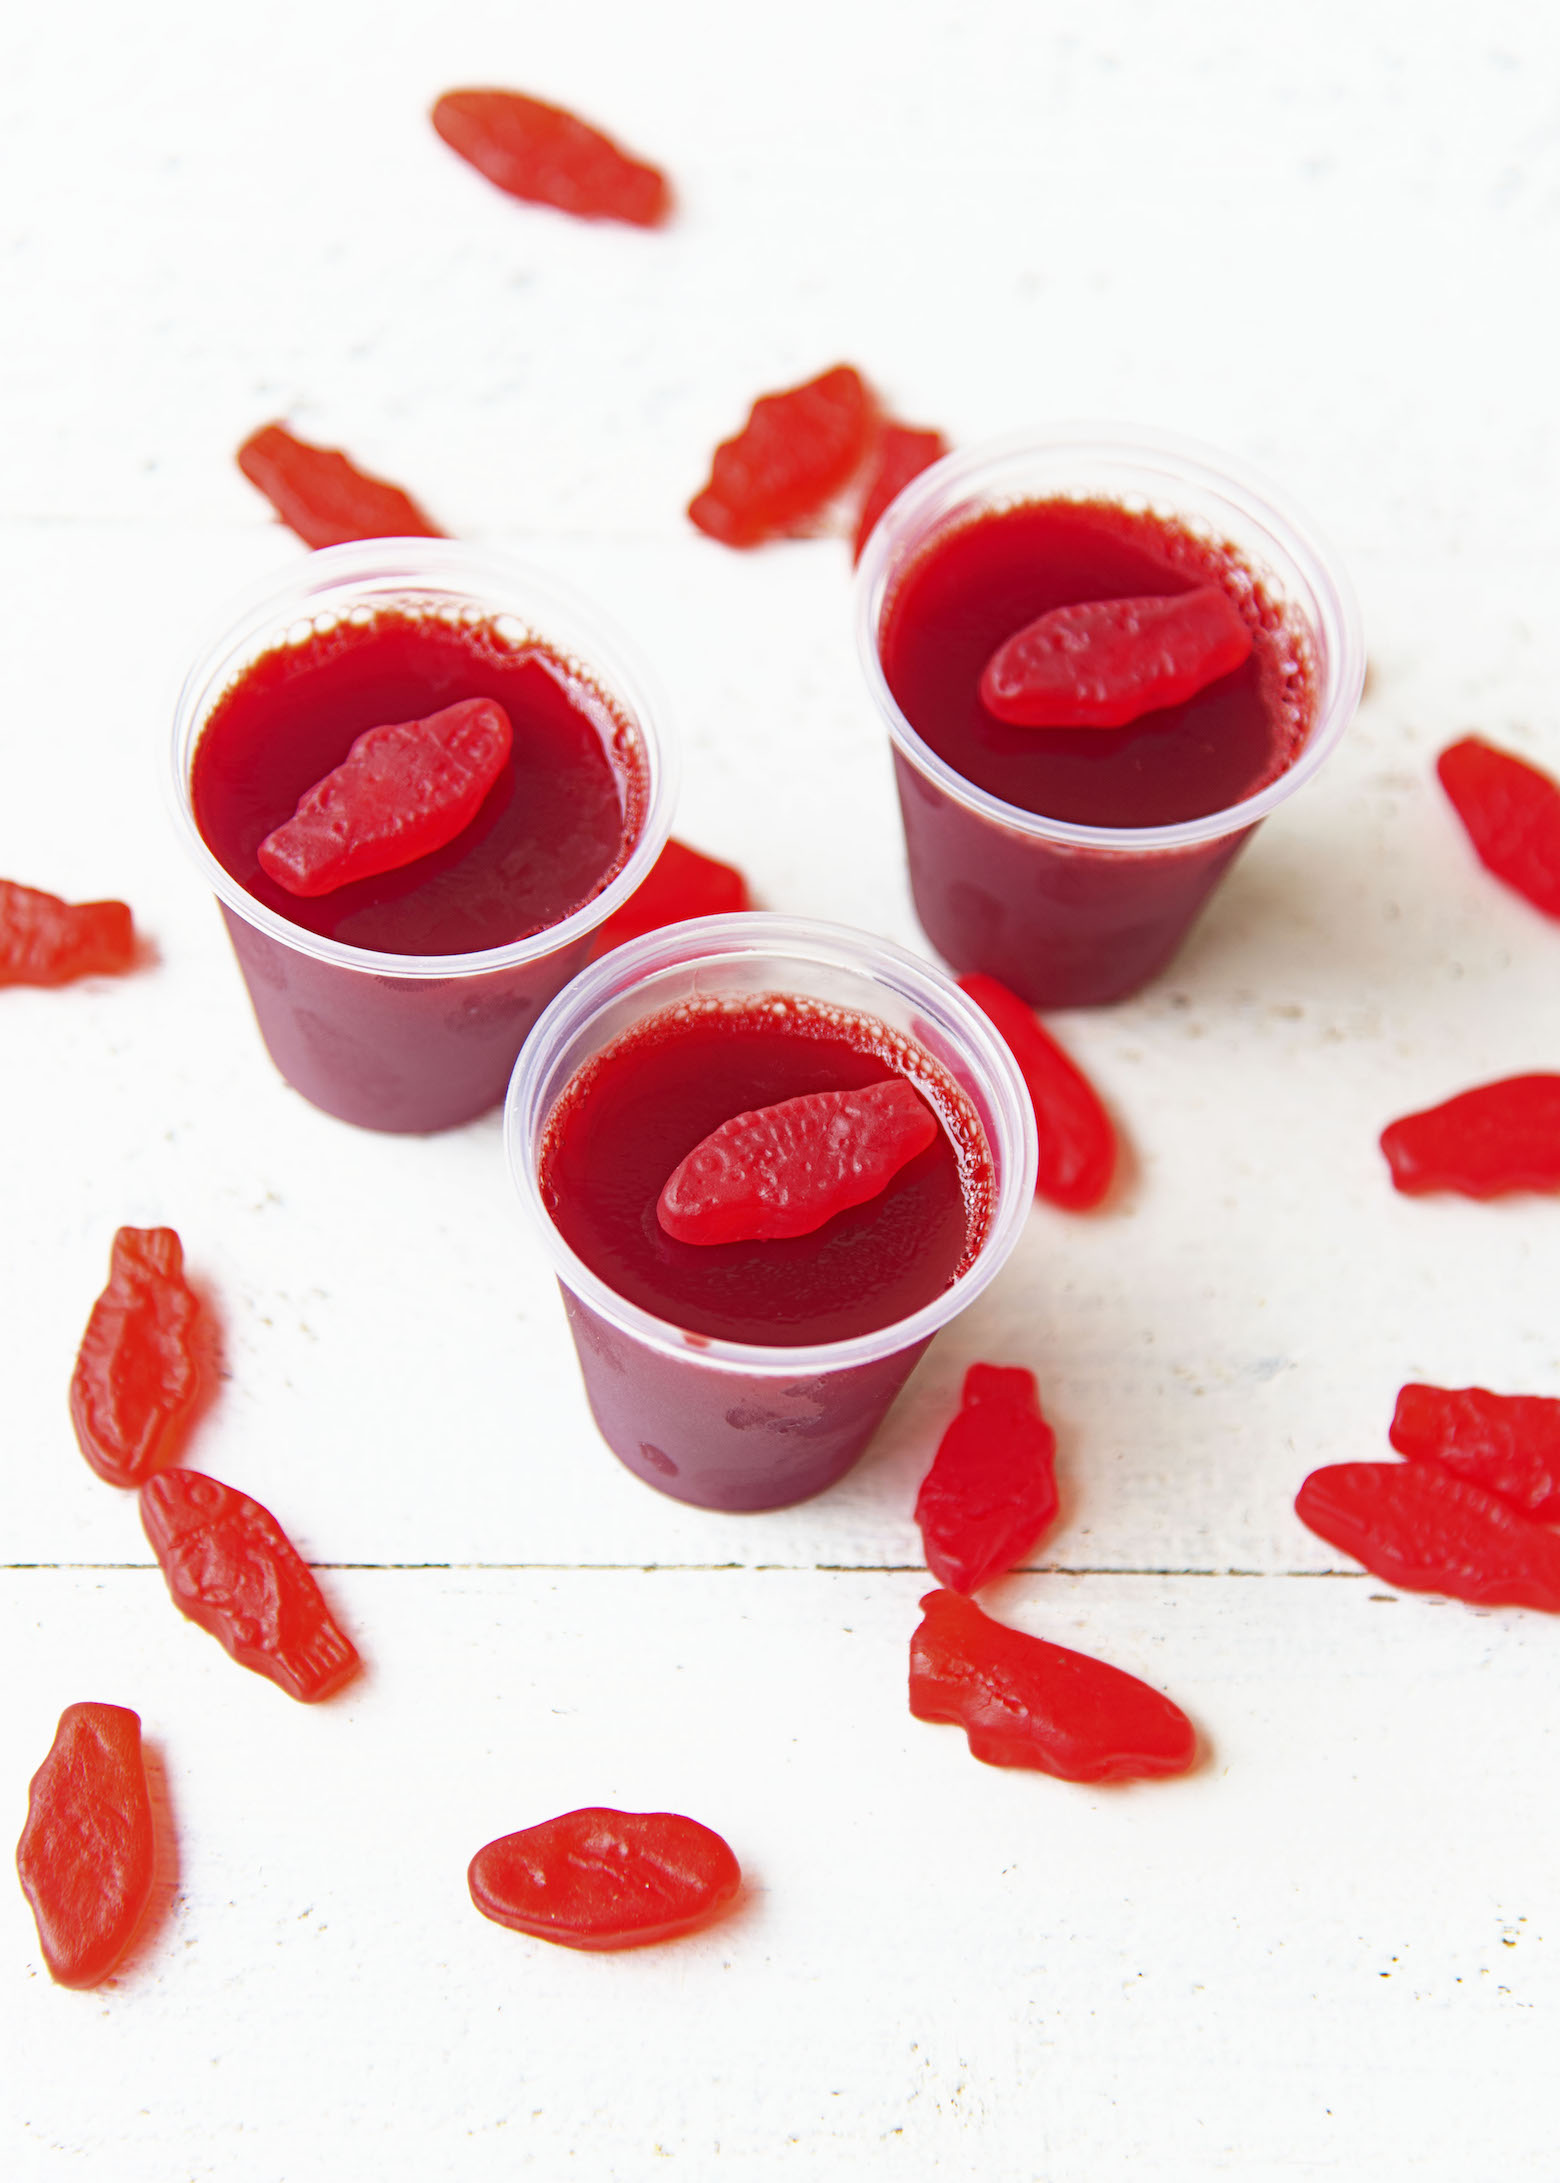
[(1324, 241)]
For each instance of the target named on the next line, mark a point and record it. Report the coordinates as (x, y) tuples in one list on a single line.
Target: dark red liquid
[(642, 1104), (976, 586), (554, 830)]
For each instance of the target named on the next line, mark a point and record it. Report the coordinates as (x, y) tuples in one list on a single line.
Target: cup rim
[(602, 660), (745, 934), (1163, 459)]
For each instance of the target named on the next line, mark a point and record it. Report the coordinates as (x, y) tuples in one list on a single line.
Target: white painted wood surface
[(1324, 239)]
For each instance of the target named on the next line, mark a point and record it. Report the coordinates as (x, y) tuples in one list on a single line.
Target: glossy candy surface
[(85, 1859), (323, 496), (976, 582), (401, 792), (796, 451), (1023, 1701), (1512, 813), (602, 1879), (136, 1374), (556, 827), (1421, 1528), (1077, 1139), (232, 1569), (1509, 1444), (44, 941), (991, 1490), (632, 1114), (682, 883), (1104, 663), (1485, 1143), (785, 1170), (548, 156), (903, 451)]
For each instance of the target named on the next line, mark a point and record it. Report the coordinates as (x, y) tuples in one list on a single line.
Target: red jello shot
[(1069, 861), (399, 1000), (751, 1374)]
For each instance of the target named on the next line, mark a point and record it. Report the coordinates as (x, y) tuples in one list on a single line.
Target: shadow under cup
[(1066, 914), (735, 1425), (416, 1043)]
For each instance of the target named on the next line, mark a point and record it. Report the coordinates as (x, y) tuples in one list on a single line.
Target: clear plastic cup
[(418, 1042), (738, 1425), (1075, 915)]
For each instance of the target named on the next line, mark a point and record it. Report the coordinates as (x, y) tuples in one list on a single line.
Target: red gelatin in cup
[(634, 1113), (718, 1434), (549, 835), (556, 827), (1065, 924), (978, 585)]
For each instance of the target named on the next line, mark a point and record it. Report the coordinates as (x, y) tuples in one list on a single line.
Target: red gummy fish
[(784, 1170), (600, 1879), (1077, 1140), (1106, 662), (681, 883), (401, 792), (1022, 1701), (85, 1859), (322, 494), (136, 1375), (1485, 1143), (232, 1568), (1509, 1444), (44, 941), (1512, 813), (903, 452), (548, 156), (991, 1490), (1421, 1528), (797, 450)]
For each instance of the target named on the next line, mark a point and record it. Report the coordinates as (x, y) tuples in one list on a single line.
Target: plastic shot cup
[(414, 1042), (1066, 914), (736, 1424)]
